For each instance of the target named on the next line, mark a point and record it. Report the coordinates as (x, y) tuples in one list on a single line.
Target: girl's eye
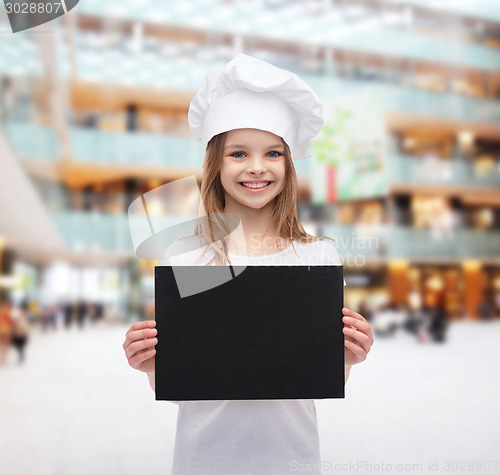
[(242, 154)]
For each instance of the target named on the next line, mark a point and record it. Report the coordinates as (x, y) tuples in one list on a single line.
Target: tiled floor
[(76, 407)]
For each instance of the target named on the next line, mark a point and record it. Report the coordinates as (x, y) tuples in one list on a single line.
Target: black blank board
[(272, 332)]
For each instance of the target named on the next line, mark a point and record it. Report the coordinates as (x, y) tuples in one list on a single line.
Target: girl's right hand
[(139, 346)]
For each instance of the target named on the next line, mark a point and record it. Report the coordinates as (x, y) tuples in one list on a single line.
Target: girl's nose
[(257, 165)]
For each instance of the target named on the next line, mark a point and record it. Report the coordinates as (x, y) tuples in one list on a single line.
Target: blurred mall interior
[(405, 175)]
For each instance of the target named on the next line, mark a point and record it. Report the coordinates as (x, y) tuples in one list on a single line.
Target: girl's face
[(253, 167)]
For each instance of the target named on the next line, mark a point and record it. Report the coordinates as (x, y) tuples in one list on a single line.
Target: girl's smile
[(256, 186)]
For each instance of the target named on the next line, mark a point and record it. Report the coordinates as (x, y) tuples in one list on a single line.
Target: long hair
[(215, 230)]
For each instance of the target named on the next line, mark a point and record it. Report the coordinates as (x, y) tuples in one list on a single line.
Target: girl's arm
[(151, 377), (347, 371), (139, 347)]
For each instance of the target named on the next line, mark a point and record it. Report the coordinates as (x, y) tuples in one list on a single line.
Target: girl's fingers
[(141, 326), (360, 337), (351, 319), (358, 325), (140, 357), (347, 337), (351, 313), (358, 351), (137, 335), (140, 346)]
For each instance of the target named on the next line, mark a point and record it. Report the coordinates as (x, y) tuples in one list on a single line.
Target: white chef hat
[(250, 93)]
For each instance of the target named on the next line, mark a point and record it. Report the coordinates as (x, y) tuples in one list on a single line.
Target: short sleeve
[(184, 252)]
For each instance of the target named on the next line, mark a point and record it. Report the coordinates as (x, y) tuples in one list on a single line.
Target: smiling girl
[(254, 119)]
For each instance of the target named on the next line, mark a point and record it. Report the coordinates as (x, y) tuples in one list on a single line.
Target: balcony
[(405, 100), (100, 232), (113, 148), (455, 172), (358, 28), (357, 243), (178, 153), (43, 143), (484, 9), (122, 148)]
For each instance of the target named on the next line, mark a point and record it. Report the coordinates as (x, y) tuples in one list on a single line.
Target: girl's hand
[(358, 337), (140, 344)]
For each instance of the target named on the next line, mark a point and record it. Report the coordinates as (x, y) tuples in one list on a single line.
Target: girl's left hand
[(358, 337)]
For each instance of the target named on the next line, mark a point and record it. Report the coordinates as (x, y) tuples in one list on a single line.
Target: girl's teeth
[(255, 185)]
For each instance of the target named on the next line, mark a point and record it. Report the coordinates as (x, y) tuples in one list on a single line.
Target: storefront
[(467, 288)]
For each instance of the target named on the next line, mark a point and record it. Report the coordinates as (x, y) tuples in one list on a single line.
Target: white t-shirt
[(260, 437)]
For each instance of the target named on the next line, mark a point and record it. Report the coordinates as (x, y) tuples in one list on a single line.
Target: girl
[(253, 118)]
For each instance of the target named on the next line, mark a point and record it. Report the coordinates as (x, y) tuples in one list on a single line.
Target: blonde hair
[(216, 230)]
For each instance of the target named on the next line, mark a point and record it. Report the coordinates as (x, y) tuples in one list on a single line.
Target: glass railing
[(457, 172), (185, 74), (362, 32), (405, 100), (332, 26), (485, 9), (94, 232), (182, 153), (99, 232), (137, 148), (425, 243), (33, 142), (358, 243), (119, 148)]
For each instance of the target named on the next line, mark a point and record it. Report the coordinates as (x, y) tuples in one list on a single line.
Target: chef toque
[(250, 93)]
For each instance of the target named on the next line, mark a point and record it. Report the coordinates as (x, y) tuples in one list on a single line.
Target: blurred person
[(33, 310), (385, 321), (81, 309), (423, 328), (95, 312), (438, 324), (68, 310), (496, 304), (6, 325), (8, 98), (485, 310), (48, 317), (20, 331), (256, 181), (427, 317), (442, 220), (414, 318), (99, 311), (366, 309), (132, 118)]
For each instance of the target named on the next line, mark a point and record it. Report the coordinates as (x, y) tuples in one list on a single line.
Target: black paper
[(271, 332)]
